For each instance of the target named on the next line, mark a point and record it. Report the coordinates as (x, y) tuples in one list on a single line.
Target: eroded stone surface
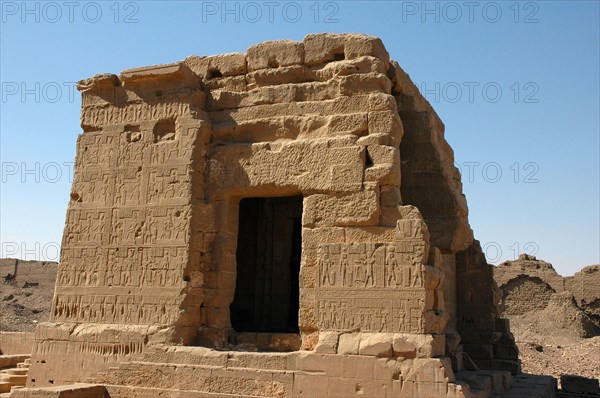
[(528, 284)]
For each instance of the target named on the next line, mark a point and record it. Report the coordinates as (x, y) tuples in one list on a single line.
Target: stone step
[(205, 370), (192, 380), (15, 380), (480, 385), (501, 380), (4, 386), (145, 392), (16, 371), (77, 390), (10, 361), (486, 383), (563, 394), (531, 386), (133, 365), (23, 365), (207, 357), (479, 394)]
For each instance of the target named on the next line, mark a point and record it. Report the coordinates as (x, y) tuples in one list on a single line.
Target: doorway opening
[(267, 292)]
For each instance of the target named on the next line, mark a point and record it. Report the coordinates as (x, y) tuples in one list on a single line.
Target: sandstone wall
[(532, 267), (126, 247), (524, 294), (430, 180), (12, 343)]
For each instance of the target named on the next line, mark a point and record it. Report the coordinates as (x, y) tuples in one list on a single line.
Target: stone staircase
[(14, 373), (13, 378)]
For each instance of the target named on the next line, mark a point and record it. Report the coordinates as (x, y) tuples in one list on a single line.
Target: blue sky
[(516, 84)]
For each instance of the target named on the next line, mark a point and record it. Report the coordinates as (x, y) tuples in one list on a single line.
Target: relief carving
[(372, 314), (370, 265)]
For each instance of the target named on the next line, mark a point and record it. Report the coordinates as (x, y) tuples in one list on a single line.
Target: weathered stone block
[(217, 66), (387, 123), (325, 47), (78, 390), (361, 208), (277, 76), (328, 343), (349, 344), (365, 83), (375, 344), (374, 139), (360, 65), (310, 386), (418, 345), (385, 161), (359, 367), (579, 384), (274, 54)]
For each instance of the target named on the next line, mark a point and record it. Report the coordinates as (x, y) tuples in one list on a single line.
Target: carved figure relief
[(368, 314), (370, 265)]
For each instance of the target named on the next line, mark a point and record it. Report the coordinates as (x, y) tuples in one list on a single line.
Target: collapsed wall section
[(528, 283)]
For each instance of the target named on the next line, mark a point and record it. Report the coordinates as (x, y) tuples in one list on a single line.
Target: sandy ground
[(561, 352), (579, 358), (26, 299), (21, 309)]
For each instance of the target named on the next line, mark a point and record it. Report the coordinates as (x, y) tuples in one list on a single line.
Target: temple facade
[(285, 222)]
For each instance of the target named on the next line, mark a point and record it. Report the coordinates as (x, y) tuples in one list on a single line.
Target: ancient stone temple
[(282, 223)]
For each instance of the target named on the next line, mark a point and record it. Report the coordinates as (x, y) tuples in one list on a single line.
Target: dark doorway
[(267, 293)]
